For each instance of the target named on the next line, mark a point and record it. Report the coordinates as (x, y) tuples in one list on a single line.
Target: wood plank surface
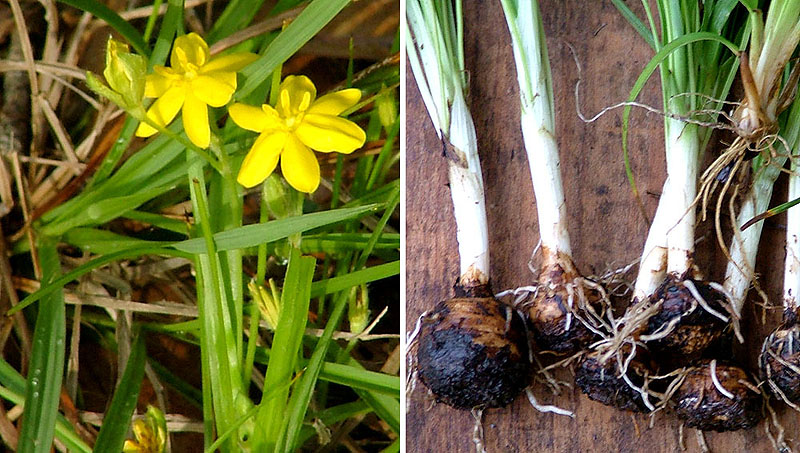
[(605, 226)]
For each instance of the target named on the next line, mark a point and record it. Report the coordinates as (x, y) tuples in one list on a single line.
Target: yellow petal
[(299, 165), (195, 121), (254, 118), (189, 49), (229, 63), (163, 111), (336, 103), (156, 85), (296, 95), (262, 158), (214, 91), (328, 133)]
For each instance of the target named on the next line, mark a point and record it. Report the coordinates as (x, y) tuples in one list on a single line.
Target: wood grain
[(606, 228)]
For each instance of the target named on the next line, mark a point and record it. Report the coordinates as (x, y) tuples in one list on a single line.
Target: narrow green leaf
[(255, 234), (83, 269), (118, 417), (93, 240), (307, 24), (285, 347), (43, 386), (347, 281), (360, 378), (101, 11), (635, 22)]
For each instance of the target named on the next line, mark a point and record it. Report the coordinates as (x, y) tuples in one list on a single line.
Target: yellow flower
[(194, 81), (290, 131)]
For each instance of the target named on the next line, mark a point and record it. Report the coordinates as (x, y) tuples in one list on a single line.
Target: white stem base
[(653, 264), (683, 151), (545, 167), (466, 190), (743, 249)]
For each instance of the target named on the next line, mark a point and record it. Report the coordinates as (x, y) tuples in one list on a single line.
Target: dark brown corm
[(695, 329), (473, 353), (780, 359), (701, 404), (603, 382)]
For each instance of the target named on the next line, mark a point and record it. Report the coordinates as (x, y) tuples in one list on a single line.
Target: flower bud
[(358, 310), (150, 433), (268, 302), (125, 73)]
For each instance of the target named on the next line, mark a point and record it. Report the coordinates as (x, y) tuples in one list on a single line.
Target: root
[(477, 432), (778, 441), (683, 118), (717, 383), (546, 408), (701, 441), (411, 358)]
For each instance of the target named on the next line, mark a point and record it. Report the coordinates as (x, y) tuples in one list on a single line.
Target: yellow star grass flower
[(193, 82), (295, 127)]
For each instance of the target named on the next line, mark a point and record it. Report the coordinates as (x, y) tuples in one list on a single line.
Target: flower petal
[(254, 118), (299, 165), (156, 85), (296, 95), (163, 111), (328, 133), (214, 91), (336, 103), (229, 63), (195, 120), (189, 48), (262, 158)]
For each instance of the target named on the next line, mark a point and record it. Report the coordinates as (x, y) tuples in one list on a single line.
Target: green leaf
[(286, 346), (93, 240), (253, 235), (347, 281), (83, 269), (118, 417), (125, 29), (43, 386), (307, 24)]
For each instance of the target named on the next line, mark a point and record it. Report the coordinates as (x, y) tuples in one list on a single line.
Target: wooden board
[(606, 228)]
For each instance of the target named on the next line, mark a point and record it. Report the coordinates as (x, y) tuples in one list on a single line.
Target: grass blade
[(255, 234), (125, 29), (118, 418), (285, 347), (43, 387), (307, 24)]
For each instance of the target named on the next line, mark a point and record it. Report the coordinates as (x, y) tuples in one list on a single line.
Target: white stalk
[(538, 122), (683, 151), (791, 279), (653, 264), (466, 190), (744, 246), (435, 54)]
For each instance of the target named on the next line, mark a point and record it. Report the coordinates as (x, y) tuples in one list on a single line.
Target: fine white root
[(477, 432), (717, 383), (701, 441), (778, 441), (688, 284), (545, 407), (411, 356)]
